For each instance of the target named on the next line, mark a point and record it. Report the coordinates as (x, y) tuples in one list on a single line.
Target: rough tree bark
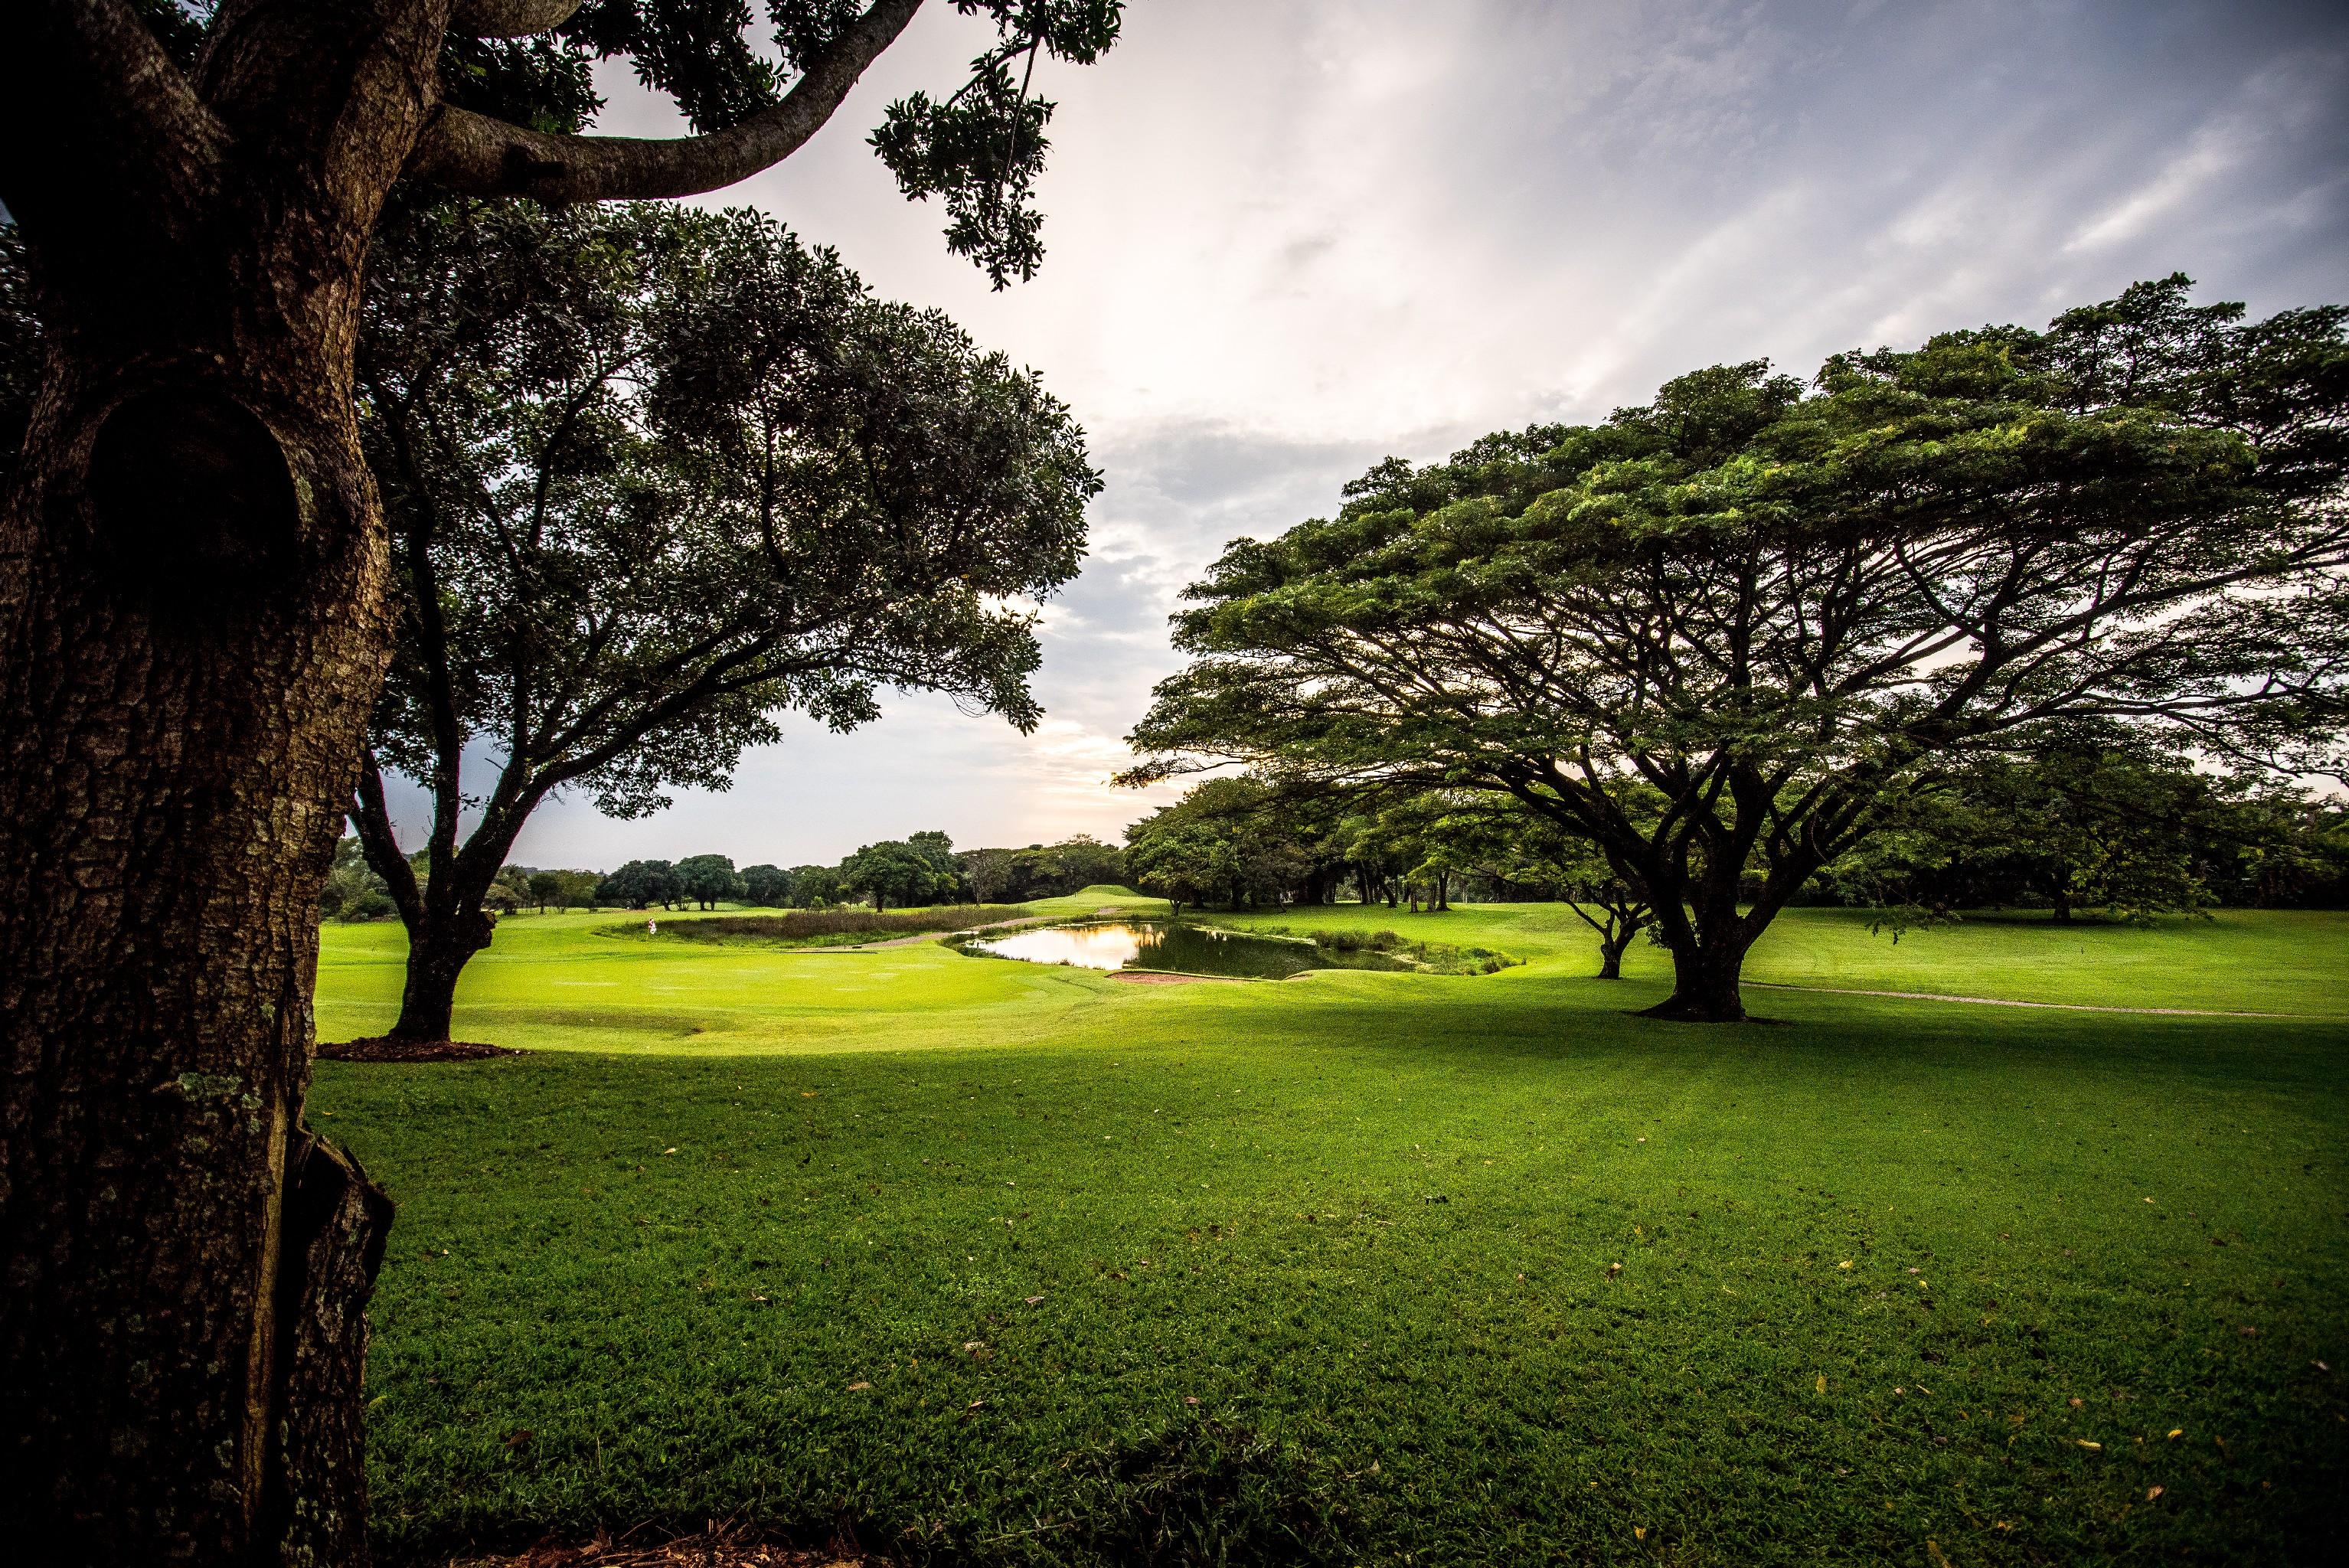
[(192, 630)]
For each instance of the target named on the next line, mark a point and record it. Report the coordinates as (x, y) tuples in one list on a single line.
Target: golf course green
[(968, 1260)]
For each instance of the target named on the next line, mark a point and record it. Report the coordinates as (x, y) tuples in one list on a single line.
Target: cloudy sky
[(1290, 237)]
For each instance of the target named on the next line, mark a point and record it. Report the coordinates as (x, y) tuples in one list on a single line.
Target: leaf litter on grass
[(720, 1545)]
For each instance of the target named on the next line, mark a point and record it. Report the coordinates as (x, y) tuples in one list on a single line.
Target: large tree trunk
[(186, 677), (446, 923), (1705, 985), (192, 633), (1699, 923), (438, 950)]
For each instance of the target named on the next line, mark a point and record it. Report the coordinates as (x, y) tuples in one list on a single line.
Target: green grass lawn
[(1370, 1224)]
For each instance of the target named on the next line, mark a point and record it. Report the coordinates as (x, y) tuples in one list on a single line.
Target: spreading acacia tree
[(1724, 635), (195, 621), (654, 475)]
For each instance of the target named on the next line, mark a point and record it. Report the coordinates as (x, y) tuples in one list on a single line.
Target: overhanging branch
[(479, 156), (508, 18), (107, 154)]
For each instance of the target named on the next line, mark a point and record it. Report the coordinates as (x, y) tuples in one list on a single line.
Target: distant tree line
[(920, 870)]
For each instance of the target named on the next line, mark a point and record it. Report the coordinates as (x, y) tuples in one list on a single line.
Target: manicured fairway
[(1366, 1223)]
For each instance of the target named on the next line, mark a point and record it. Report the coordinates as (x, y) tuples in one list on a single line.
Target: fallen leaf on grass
[(1639, 1532), (975, 1405), (1033, 1300), (852, 1388), (2176, 1431), (668, 1151), (2075, 1401), (520, 1437), (1190, 1398), (2092, 1447), (1823, 1382), (2321, 1366), (1844, 1265), (2151, 1493), (1614, 1269), (807, 1094)]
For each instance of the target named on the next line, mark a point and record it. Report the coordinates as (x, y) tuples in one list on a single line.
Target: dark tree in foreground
[(1780, 614), (193, 626), (654, 477)]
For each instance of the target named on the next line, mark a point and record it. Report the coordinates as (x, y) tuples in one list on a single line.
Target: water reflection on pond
[(1182, 949)]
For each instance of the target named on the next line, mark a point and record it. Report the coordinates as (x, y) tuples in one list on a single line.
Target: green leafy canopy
[(654, 475), (1782, 608)]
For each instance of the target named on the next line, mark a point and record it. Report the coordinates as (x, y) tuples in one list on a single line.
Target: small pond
[(1185, 949)]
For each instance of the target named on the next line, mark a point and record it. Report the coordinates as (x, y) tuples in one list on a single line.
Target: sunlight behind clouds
[(1285, 241)]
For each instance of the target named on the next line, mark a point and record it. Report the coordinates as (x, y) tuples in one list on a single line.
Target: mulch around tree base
[(718, 1547), (384, 1048)]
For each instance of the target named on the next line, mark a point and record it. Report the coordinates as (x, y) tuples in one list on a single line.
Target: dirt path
[(1167, 977), (2009, 1002)]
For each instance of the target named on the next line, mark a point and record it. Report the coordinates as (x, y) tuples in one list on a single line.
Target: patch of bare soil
[(720, 1546), (384, 1048), (2007, 1002)]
